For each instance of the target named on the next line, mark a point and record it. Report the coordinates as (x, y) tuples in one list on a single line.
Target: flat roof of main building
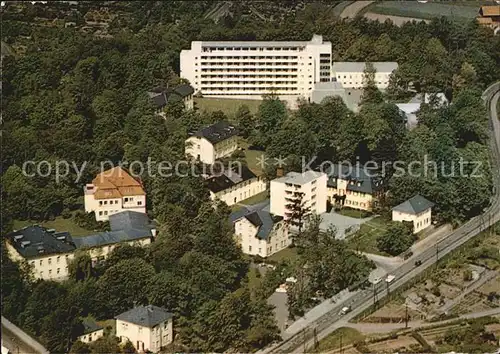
[(316, 39), (351, 66)]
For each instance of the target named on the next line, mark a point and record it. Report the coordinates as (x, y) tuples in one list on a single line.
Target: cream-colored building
[(162, 96), (113, 191), (249, 70), (417, 210), (235, 185), (92, 331), (148, 328), (46, 251), (352, 74), (355, 187), (211, 143), (260, 233), (309, 186), (127, 227)]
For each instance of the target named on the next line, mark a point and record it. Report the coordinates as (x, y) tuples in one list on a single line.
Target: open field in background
[(227, 105), (457, 10), (59, 224)]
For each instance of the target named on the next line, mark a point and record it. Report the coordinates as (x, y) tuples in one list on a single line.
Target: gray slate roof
[(35, 241), (111, 237), (260, 217), (90, 325), (130, 220), (414, 205), (229, 179), (125, 226), (162, 96), (146, 316), (363, 180), (217, 132), (348, 66)]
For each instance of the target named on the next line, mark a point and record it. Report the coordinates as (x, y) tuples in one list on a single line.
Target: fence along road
[(363, 299)]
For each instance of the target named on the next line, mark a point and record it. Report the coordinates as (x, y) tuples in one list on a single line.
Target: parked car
[(418, 263)]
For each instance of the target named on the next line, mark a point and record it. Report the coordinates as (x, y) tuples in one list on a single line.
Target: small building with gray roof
[(417, 210), (148, 328)]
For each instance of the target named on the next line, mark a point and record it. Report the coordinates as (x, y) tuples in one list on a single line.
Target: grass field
[(227, 105), (287, 253), (461, 10), (353, 213), (365, 240), (59, 224), (252, 158), (333, 340)]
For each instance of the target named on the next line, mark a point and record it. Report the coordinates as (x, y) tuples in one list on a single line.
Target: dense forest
[(71, 96)]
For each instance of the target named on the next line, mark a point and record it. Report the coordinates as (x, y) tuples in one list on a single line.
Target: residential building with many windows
[(49, 252), (113, 191), (148, 328), (248, 70), (309, 187), (352, 74), (213, 142), (258, 232), (235, 185), (355, 186), (46, 251)]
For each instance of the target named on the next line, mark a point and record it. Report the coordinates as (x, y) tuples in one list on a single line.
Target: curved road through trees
[(363, 299)]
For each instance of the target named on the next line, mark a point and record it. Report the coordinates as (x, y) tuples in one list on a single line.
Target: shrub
[(467, 275)]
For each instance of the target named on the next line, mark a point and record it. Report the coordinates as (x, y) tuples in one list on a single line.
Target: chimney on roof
[(279, 172)]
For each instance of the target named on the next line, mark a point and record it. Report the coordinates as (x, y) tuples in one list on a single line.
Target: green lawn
[(332, 341), (365, 240), (353, 213), (227, 105), (457, 11), (253, 279), (59, 224), (289, 253), (252, 157)]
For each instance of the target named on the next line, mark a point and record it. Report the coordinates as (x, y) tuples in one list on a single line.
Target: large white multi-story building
[(352, 74), (308, 187), (248, 70)]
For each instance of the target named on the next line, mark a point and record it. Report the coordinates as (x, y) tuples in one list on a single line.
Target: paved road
[(14, 344), (363, 299), (352, 10)]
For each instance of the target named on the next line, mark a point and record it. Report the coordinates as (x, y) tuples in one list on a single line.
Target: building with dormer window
[(213, 142)]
